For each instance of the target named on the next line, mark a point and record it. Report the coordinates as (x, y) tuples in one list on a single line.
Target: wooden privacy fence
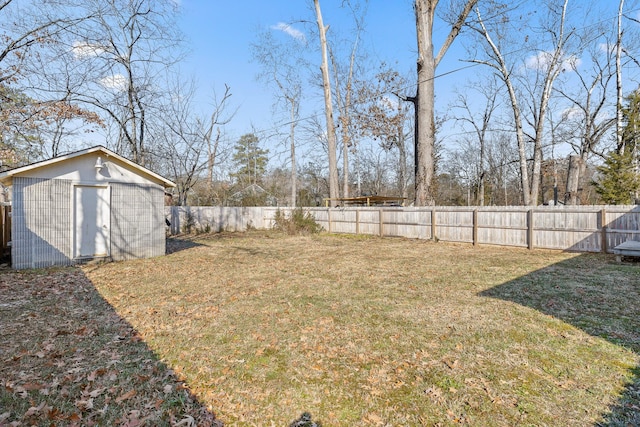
[(581, 228), (5, 228)]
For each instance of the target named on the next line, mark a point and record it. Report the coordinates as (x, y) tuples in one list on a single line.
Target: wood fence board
[(577, 228)]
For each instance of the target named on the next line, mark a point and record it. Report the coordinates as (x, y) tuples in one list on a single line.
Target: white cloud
[(607, 47), (572, 113), (288, 29), (117, 82), (543, 59), (84, 50)]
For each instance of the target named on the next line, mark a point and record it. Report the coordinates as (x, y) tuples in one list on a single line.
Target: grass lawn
[(354, 330)]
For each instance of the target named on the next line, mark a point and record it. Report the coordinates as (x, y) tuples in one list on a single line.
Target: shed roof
[(6, 177)]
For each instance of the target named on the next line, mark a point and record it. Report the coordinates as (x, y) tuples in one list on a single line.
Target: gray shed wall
[(42, 222), (137, 221)]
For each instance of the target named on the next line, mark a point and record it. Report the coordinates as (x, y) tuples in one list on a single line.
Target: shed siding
[(137, 221), (41, 223)]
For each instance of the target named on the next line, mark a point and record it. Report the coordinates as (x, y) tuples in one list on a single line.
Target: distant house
[(90, 204)]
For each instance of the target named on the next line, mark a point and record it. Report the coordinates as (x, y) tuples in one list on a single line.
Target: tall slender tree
[(334, 190), (281, 62), (480, 122), (619, 118)]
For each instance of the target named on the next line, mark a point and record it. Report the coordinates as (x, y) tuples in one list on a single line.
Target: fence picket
[(575, 228)]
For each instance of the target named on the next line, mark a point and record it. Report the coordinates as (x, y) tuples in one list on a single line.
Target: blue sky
[(219, 35)]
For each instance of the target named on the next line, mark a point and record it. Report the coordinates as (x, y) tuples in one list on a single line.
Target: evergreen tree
[(618, 179), (631, 129), (619, 182), (250, 161)]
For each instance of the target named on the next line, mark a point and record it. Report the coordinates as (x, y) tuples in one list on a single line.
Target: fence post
[(357, 221), (530, 228), (603, 227), (381, 223), (433, 224), (475, 227), (329, 219)]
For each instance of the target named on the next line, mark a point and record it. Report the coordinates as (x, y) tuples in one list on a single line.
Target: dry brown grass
[(388, 332), (375, 331)]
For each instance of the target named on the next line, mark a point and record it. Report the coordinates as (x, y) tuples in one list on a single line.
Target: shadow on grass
[(180, 243), (596, 295), (67, 358)]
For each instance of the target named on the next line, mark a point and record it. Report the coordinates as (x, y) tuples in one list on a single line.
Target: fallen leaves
[(60, 363), (125, 396)]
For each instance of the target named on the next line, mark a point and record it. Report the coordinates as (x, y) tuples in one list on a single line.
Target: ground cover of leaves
[(366, 331), (68, 359)]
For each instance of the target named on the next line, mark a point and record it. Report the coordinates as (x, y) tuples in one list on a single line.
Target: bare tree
[(118, 57), (281, 63), (24, 29), (480, 123), (425, 98), (334, 192), (502, 167), (31, 118), (184, 148), (587, 120), (546, 67), (219, 117), (345, 88)]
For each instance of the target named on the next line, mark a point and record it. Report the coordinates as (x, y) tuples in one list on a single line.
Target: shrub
[(299, 222)]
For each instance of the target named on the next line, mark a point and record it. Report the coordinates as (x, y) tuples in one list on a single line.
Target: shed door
[(92, 221)]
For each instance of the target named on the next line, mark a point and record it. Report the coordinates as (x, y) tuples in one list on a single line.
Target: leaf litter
[(356, 331), (68, 359)]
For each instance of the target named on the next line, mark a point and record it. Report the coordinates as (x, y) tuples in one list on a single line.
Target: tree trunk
[(530, 187), (576, 170), (425, 102), (620, 142), (425, 11), (328, 108), (294, 189), (211, 156)]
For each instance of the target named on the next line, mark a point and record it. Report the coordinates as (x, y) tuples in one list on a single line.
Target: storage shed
[(86, 205)]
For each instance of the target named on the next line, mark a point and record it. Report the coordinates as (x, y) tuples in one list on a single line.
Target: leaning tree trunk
[(619, 118), (334, 192)]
